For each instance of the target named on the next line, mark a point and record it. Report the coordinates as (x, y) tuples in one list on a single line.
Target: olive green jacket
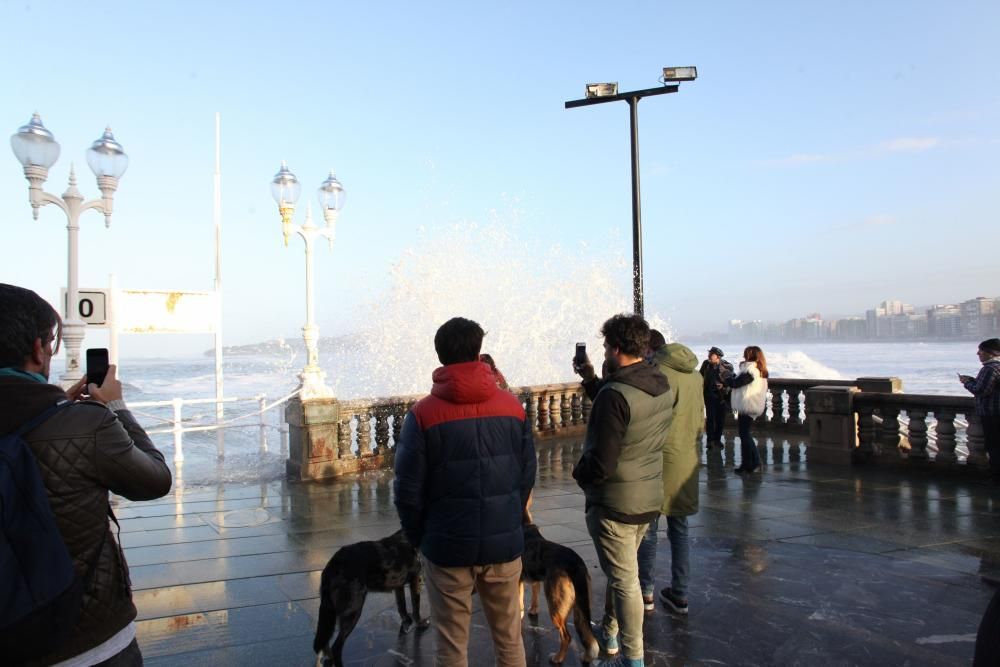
[(681, 455)]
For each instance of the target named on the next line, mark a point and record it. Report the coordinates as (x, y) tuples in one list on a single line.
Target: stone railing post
[(565, 412), (867, 447), (381, 430), (889, 437), (975, 438), (794, 407), (576, 409), (777, 406), (587, 404), (312, 438), (917, 433), (531, 410), (543, 412), (945, 432), (832, 425), (365, 433), (344, 436)]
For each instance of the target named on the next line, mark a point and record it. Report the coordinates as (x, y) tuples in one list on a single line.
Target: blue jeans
[(680, 562), (748, 448)]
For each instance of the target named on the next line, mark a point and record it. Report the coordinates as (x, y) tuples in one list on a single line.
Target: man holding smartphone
[(986, 388), (88, 447)]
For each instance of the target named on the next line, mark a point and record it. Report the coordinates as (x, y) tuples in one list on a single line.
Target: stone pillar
[(833, 429), (312, 438), (889, 385)]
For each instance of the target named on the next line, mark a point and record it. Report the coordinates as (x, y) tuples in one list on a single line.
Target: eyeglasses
[(56, 340)]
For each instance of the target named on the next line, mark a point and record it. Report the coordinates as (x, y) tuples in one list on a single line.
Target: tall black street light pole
[(597, 94)]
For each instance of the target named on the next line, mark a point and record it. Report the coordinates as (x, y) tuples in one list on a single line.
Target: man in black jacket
[(83, 451), (621, 472), (715, 371), (465, 465)]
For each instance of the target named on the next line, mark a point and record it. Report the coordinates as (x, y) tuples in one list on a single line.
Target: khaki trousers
[(450, 592)]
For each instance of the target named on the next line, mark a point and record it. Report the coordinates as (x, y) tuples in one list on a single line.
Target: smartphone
[(97, 365), (581, 354)]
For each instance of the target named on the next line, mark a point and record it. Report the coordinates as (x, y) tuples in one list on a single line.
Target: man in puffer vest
[(465, 465), (621, 474), (83, 451)]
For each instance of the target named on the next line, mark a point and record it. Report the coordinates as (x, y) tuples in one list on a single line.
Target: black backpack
[(40, 592)]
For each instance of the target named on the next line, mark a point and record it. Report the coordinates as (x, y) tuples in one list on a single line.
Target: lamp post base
[(314, 385), (73, 333)]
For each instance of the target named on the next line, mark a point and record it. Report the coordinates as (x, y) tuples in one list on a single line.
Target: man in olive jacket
[(83, 451), (680, 473), (620, 472)]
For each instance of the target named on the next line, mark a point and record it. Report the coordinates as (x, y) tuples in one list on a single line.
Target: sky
[(829, 156)]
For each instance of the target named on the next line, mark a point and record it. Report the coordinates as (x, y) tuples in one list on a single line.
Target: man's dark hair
[(458, 340), (656, 340), (628, 333), (24, 316)]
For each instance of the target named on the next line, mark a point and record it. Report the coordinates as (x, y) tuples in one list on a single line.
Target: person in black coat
[(715, 371)]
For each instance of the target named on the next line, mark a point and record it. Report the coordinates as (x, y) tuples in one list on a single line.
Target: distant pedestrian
[(497, 375), (749, 398), (715, 371), (681, 462), (986, 388), (465, 465)]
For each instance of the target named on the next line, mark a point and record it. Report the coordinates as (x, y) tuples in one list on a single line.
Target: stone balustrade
[(328, 438), (843, 421), (894, 428)]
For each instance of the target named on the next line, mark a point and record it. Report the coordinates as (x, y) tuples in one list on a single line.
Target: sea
[(266, 373)]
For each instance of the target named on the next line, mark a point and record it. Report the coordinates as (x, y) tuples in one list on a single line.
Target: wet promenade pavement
[(802, 565)]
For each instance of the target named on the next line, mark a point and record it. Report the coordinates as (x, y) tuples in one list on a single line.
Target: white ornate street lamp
[(37, 150), (285, 189)]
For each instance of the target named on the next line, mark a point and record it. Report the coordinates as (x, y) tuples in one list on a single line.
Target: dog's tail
[(581, 612), (327, 617)]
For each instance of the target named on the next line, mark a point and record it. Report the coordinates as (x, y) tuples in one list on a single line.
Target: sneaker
[(609, 643), (619, 661), (676, 603), (647, 602)]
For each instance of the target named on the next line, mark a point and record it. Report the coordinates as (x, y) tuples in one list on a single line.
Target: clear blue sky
[(830, 156)]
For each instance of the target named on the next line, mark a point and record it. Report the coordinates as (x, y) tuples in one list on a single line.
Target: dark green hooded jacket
[(681, 456)]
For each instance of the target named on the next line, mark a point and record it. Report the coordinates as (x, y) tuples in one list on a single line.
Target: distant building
[(944, 321), (978, 317)]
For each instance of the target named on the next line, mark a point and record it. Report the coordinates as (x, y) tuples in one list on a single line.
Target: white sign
[(165, 311), (91, 306)]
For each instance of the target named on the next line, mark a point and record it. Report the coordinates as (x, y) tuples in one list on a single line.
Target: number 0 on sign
[(91, 307)]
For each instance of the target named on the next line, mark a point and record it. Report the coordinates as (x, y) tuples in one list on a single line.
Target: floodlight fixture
[(679, 74), (602, 89)]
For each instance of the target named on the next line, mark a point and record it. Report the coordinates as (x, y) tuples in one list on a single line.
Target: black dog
[(386, 565)]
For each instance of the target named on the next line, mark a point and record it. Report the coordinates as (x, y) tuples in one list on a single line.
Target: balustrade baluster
[(381, 430), (777, 407), (587, 404), (889, 433), (866, 432), (344, 440), (553, 412), (565, 413), (945, 432), (974, 438), (365, 432), (794, 407), (917, 433), (543, 412), (576, 407), (531, 410)]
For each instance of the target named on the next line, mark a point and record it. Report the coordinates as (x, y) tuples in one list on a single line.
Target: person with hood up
[(681, 461), (621, 471), (749, 400), (986, 388)]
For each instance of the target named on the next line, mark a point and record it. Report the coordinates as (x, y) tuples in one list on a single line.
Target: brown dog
[(385, 565), (567, 588)]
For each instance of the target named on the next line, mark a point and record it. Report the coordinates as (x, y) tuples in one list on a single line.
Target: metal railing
[(177, 425)]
